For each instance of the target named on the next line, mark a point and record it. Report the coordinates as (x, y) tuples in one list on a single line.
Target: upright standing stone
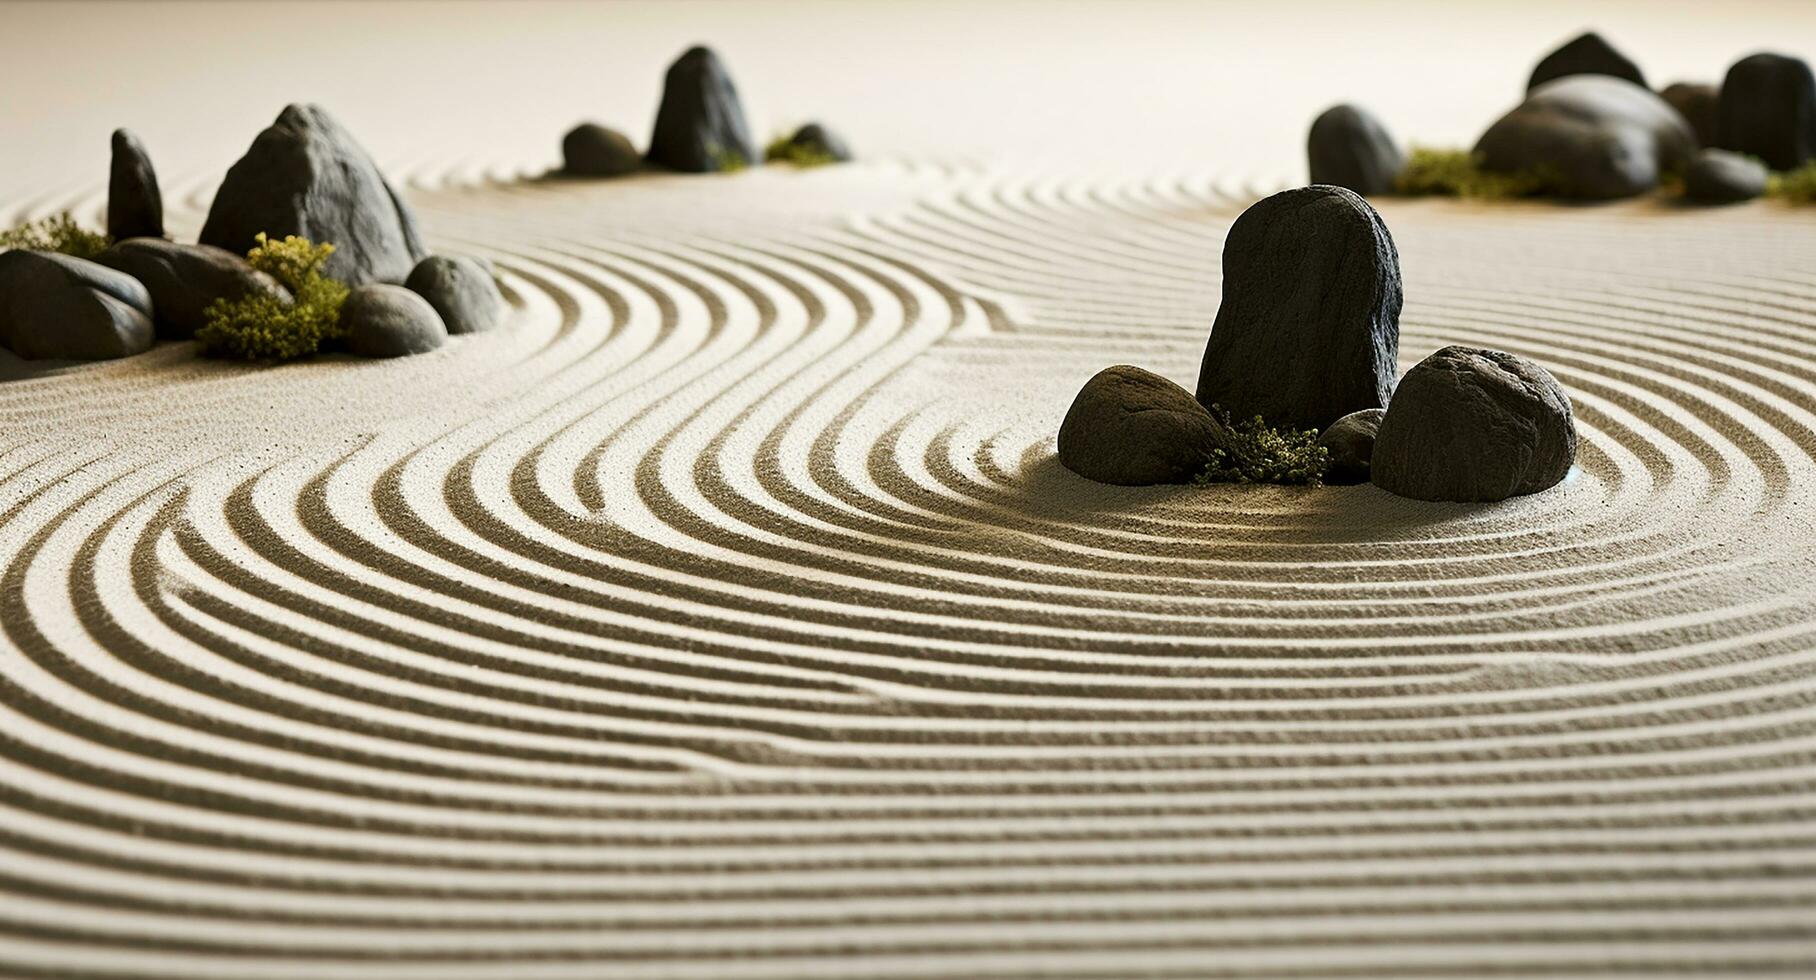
[(1768, 110), (135, 208), (1309, 327), (700, 125), (1348, 147), (1586, 54)]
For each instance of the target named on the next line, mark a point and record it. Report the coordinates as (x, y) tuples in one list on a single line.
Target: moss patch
[(1794, 186), (261, 327), (1459, 173), (1261, 453), (783, 149), (56, 234)]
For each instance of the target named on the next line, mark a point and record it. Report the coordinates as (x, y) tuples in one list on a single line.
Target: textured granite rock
[(57, 306), (1348, 147), (1351, 443), (1699, 104), (382, 320), (1585, 54), (700, 125), (1135, 428), (135, 207), (184, 279), (1768, 110), (1309, 327), (1723, 177), (305, 175), (1474, 425), (1590, 136), (592, 150), (461, 290)]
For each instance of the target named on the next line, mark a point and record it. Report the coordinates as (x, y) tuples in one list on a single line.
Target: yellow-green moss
[(783, 149), (259, 326), (1459, 173), (59, 233), (1795, 186), (1261, 453)]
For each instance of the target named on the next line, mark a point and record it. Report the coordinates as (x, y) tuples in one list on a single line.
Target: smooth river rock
[(58, 306), (700, 125), (135, 207), (1768, 110), (1699, 104), (1724, 177), (306, 175), (592, 150), (1350, 441), (1474, 425), (184, 279), (1309, 327), (1135, 428), (1585, 54), (1591, 136), (1348, 147), (461, 290), (382, 320)]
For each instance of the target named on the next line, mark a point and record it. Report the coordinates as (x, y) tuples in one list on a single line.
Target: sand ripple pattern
[(729, 616)]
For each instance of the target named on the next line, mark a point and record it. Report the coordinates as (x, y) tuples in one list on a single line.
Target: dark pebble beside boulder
[(1586, 54), (700, 125), (592, 150), (1768, 110), (1348, 147), (184, 279), (382, 320), (816, 138), (1474, 425), (135, 207), (1309, 327), (1590, 136), (1699, 104), (1721, 177), (57, 306), (1135, 428), (1350, 441), (306, 175), (461, 290)]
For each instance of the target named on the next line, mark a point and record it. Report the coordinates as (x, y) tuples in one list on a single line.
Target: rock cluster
[(1590, 136), (1348, 147)]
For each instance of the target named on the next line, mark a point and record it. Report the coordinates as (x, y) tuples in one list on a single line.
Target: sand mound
[(729, 615)]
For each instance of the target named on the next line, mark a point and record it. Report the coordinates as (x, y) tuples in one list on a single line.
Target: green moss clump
[(727, 161), (783, 149), (1459, 173), (1795, 186), (1261, 453), (56, 234), (259, 326)]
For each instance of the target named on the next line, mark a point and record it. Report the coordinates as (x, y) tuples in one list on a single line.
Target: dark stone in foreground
[(1721, 177), (1135, 428), (1474, 425), (383, 320), (592, 150), (1590, 136), (700, 125), (1768, 110), (1699, 104), (305, 175), (818, 139), (184, 279), (1351, 443), (56, 306), (461, 290), (1309, 327), (1586, 54), (1348, 147), (135, 207)]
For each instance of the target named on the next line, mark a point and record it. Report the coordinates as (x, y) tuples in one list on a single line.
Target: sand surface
[(729, 615)]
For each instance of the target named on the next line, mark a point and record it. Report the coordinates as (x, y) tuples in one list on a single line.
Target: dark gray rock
[(592, 150), (1699, 104), (1135, 428), (1309, 327), (1469, 424), (1590, 136), (135, 207), (700, 125), (57, 306), (1721, 177), (184, 279), (461, 290), (1768, 110), (1348, 147), (1586, 54), (1351, 443), (816, 138), (305, 175), (382, 320)]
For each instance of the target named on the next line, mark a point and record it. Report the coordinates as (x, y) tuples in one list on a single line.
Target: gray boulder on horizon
[(1594, 137)]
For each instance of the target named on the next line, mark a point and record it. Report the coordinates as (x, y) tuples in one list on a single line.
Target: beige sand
[(728, 614)]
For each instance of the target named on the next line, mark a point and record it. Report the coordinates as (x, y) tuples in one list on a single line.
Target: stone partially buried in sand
[(1348, 147), (1135, 428), (382, 320), (57, 306), (461, 290), (1585, 54), (135, 207), (592, 150), (1721, 177), (184, 279), (1474, 425), (1590, 136), (305, 175), (700, 125), (1350, 441), (1768, 110), (1309, 327)]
